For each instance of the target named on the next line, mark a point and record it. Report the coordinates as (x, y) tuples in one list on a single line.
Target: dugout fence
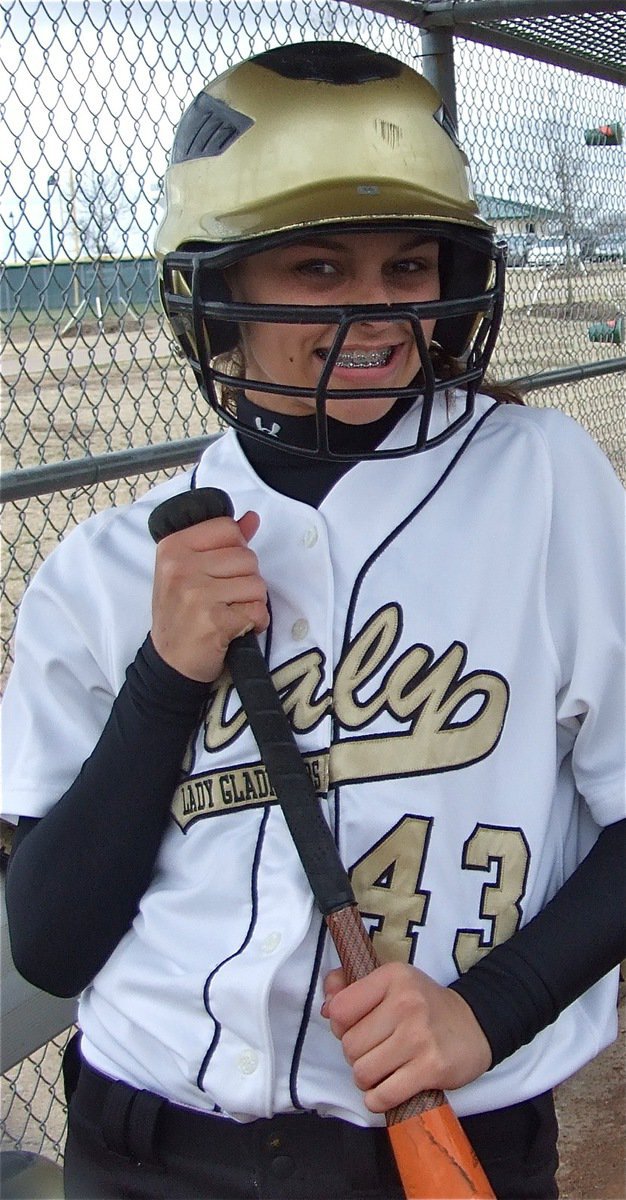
[(97, 404)]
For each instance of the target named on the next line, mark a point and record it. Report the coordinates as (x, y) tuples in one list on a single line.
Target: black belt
[(517, 1145), (146, 1128)]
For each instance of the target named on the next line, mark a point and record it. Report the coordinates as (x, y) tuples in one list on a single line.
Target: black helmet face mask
[(260, 163), (209, 325)]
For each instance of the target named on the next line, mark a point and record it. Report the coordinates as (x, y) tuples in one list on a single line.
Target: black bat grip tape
[(287, 771)]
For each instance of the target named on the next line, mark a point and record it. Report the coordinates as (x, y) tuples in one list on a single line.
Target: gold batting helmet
[(323, 134)]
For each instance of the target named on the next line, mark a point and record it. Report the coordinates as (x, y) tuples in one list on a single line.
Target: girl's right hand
[(207, 590)]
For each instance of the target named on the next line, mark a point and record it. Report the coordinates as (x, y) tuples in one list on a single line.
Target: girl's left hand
[(403, 1033)]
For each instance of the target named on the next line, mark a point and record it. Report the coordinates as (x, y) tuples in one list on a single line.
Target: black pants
[(127, 1143)]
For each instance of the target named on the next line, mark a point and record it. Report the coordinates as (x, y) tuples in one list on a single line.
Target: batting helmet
[(326, 135)]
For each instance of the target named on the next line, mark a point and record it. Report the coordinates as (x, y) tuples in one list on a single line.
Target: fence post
[(438, 65)]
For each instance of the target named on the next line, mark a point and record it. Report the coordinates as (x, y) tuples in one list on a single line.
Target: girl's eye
[(316, 266), (407, 266)]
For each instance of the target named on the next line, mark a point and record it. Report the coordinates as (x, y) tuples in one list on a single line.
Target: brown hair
[(447, 367)]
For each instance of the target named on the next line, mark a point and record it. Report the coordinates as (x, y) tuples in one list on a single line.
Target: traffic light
[(610, 134)]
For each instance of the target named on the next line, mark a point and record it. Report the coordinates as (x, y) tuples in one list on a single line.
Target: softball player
[(434, 572)]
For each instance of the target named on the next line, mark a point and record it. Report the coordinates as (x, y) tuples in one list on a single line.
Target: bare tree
[(559, 178), (101, 207), (568, 196), (101, 202)]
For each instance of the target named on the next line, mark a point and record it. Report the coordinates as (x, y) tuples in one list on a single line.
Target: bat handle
[(433, 1156), (358, 959)]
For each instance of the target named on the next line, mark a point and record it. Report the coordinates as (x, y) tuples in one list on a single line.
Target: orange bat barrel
[(435, 1160)]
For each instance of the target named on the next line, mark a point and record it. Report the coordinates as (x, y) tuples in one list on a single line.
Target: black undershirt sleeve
[(114, 816), (90, 859), (521, 986)]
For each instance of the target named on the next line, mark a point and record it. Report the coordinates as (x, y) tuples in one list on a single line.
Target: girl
[(434, 573)]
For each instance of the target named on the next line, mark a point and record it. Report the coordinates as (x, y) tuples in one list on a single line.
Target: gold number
[(386, 883), (507, 850)]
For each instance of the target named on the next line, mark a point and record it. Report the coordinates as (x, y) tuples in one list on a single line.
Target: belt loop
[(115, 1111), (71, 1065), (141, 1128)]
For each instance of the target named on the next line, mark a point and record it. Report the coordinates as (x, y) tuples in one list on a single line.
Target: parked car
[(611, 248), (551, 252), (517, 247)]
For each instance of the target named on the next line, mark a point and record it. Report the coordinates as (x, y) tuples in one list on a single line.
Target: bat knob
[(188, 508)]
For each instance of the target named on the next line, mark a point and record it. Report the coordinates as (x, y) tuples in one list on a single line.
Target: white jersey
[(445, 632)]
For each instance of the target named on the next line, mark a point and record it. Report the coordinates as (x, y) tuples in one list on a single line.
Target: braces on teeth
[(362, 358)]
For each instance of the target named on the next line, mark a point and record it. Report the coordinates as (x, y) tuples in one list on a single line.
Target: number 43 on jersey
[(388, 885)]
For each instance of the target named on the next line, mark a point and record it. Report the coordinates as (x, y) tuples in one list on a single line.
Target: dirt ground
[(592, 1111)]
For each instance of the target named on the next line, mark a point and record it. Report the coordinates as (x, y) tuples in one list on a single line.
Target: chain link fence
[(90, 97), (33, 1112)]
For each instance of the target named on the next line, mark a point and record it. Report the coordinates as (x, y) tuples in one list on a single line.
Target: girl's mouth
[(360, 359)]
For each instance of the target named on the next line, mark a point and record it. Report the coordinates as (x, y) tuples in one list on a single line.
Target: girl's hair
[(447, 367)]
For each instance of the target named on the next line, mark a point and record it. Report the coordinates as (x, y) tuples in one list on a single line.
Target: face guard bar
[(198, 322)]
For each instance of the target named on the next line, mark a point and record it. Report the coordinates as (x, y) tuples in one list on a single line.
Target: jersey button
[(248, 1062), (310, 537), (271, 943), (299, 629), (282, 1166)]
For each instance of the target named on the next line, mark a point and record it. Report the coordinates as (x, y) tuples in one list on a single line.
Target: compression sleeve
[(90, 859), (521, 986)]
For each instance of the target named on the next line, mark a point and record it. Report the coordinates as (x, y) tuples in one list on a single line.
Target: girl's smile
[(381, 268)]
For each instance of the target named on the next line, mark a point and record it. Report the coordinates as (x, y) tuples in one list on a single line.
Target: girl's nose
[(370, 289)]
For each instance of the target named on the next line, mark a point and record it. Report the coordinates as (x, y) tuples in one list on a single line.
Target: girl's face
[(348, 268)]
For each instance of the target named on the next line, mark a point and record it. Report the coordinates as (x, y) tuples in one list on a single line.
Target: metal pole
[(68, 475), (400, 10), (547, 379), (463, 13), (438, 65)]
